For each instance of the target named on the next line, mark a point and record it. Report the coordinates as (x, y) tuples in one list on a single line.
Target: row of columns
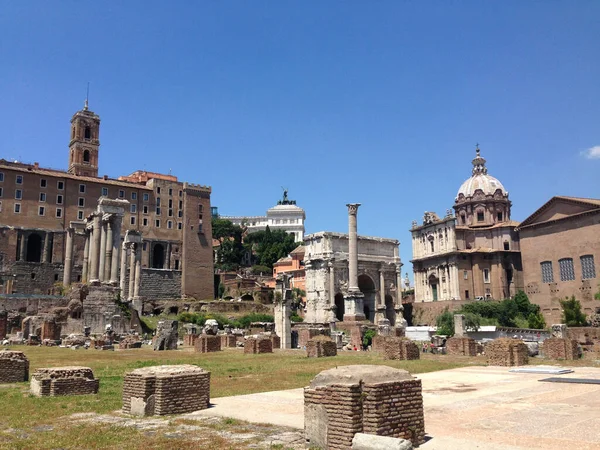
[(101, 249), (134, 251), (447, 271)]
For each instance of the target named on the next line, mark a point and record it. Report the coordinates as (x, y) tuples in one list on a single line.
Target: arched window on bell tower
[(88, 133), (86, 156)]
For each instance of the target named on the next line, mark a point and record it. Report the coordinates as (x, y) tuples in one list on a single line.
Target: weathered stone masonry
[(64, 381), (14, 367)]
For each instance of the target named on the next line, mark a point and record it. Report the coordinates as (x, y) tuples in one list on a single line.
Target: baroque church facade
[(473, 252)]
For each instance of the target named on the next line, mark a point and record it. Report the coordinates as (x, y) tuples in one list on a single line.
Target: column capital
[(353, 208)]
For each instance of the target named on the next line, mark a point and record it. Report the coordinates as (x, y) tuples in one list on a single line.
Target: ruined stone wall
[(3, 324), (461, 346), (556, 348), (306, 334), (318, 348), (64, 381), (190, 339), (260, 345), (130, 341), (227, 340), (507, 352), (14, 367), (583, 334), (275, 341), (398, 348), (50, 330), (160, 283), (207, 344)]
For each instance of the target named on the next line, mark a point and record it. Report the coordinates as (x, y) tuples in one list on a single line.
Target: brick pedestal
[(261, 345), (507, 352), (392, 347), (14, 367), (321, 346), (56, 381), (557, 348), (228, 341), (463, 346), (207, 344)]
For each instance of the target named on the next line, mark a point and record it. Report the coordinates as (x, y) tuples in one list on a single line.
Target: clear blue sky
[(355, 101)]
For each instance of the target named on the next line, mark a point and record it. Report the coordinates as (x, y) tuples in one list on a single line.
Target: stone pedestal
[(507, 352), (14, 367), (64, 381), (558, 348), (207, 344), (462, 346), (260, 345), (354, 307), (321, 346)]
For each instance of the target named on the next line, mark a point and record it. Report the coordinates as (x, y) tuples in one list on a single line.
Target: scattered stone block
[(130, 341), (362, 441), (64, 381), (377, 400), (307, 333), (258, 345), (14, 367), (507, 352), (161, 390), (228, 341), (321, 346), (166, 335), (392, 347), (559, 348), (207, 344), (190, 339), (463, 346)]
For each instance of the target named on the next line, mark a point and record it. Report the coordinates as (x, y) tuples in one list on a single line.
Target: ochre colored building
[(38, 204), (293, 265)]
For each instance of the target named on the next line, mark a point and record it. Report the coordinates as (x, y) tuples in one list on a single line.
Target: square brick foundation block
[(160, 390), (64, 381), (189, 340), (507, 352), (461, 346), (261, 345), (227, 341), (305, 334), (14, 367), (556, 348), (400, 348), (377, 400), (207, 344), (275, 341), (321, 346)]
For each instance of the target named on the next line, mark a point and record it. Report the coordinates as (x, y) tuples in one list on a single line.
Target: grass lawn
[(31, 422)]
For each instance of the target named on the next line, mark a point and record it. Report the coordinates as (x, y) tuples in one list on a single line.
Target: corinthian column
[(116, 241), (132, 259), (352, 247), (138, 271), (86, 258), (68, 257), (108, 250), (95, 253), (102, 251), (123, 270)]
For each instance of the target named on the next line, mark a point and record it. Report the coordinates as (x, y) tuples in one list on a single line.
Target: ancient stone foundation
[(161, 390), (275, 341), (377, 400), (392, 347), (557, 348), (227, 340), (306, 334), (130, 341), (14, 367), (461, 346), (507, 352), (207, 344), (189, 340), (260, 345), (166, 335), (64, 381), (320, 346)]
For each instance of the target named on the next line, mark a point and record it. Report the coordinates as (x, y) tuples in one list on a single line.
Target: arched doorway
[(433, 284), (339, 306), (367, 287), (158, 256), (390, 313), (34, 248)]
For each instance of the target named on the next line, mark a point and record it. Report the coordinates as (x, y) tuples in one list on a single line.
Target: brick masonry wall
[(261, 345), (275, 341), (190, 339), (306, 334), (507, 352), (227, 340), (3, 324), (320, 348), (398, 348), (14, 367), (583, 334), (160, 284), (64, 381), (50, 330), (207, 344), (461, 346), (556, 348)]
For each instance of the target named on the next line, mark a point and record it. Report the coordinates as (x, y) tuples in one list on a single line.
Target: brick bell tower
[(84, 143)]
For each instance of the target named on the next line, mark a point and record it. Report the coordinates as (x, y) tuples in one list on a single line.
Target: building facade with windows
[(560, 244), (38, 204), (474, 251)]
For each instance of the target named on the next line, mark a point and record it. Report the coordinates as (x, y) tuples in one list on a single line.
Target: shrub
[(245, 321), (368, 337), (296, 318), (572, 315)]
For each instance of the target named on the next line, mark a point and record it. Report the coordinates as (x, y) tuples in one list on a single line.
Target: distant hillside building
[(284, 216)]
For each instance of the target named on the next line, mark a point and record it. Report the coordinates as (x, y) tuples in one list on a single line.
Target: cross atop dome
[(479, 163)]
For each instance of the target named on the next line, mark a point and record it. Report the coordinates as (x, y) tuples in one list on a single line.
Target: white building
[(284, 216)]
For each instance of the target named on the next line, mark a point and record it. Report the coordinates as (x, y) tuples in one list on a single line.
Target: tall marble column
[(123, 273), (86, 258), (381, 289), (46, 254), (138, 271), (354, 299), (167, 261), (399, 287), (108, 250), (68, 257), (332, 306), (116, 242), (23, 248), (132, 258), (95, 252)]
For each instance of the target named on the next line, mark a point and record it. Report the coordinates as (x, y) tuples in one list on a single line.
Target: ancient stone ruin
[(507, 352), (64, 381), (207, 344), (559, 348), (258, 345), (462, 346), (161, 390), (130, 341), (14, 367), (368, 399), (392, 347), (166, 335), (305, 334), (320, 346), (227, 340)]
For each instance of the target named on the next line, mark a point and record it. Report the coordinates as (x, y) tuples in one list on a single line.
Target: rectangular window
[(465, 274), (181, 193), (0, 192), (170, 213), (42, 196), (82, 188), (81, 202), (132, 220), (121, 193), (567, 272), (499, 217), (158, 201), (19, 179), (176, 264), (59, 199), (588, 268), (146, 197), (506, 245), (200, 228), (60, 185), (17, 208), (180, 204), (0, 207), (180, 213), (59, 212), (105, 192), (41, 211), (158, 211), (179, 226), (158, 190), (43, 182), (145, 209), (170, 203), (18, 194), (479, 216), (134, 196), (486, 275), (169, 224), (466, 295), (157, 223), (1, 177), (133, 208), (79, 215), (145, 221), (547, 273), (170, 191)]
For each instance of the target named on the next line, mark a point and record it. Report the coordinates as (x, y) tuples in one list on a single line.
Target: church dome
[(480, 180)]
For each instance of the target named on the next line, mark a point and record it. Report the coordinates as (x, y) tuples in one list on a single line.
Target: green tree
[(269, 246), (536, 321), (572, 315), (445, 323), (231, 251)]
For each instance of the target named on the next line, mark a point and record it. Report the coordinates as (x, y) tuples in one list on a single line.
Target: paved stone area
[(468, 408)]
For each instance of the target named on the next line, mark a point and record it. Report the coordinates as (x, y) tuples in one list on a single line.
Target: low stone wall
[(207, 344), (260, 345), (307, 333), (64, 381), (189, 340), (557, 348), (507, 352), (14, 367), (463, 346), (275, 341), (347, 400), (228, 340), (400, 348), (583, 335), (321, 346), (161, 390), (130, 341), (50, 330)]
